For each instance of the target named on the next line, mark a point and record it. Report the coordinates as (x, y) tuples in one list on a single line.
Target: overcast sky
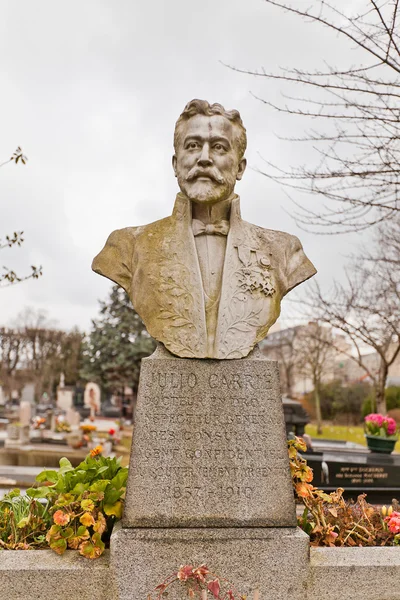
[(91, 90)]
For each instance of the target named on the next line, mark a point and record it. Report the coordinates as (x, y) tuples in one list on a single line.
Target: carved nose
[(204, 159)]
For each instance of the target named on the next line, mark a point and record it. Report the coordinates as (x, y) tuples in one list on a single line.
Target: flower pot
[(380, 444), (74, 440)]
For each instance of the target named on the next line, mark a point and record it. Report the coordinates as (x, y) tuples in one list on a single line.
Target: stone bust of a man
[(206, 283)]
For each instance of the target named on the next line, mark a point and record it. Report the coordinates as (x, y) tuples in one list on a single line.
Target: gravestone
[(73, 417), (92, 398), (25, 413), (357, 470)]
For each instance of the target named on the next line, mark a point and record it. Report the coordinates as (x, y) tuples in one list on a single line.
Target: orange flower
[(87, 428), (96, 451), (304, 489), (61, 518), (87, 519)]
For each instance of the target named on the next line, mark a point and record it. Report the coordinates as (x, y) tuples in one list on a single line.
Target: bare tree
[(367, 309), (12, 346), (358, 116), (9, 276), (303, 351), (281, 346), (315, 355), (47, 351)]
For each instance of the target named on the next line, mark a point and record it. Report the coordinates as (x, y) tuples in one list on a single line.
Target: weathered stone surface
[(43, 575), (273, 560), (354, 574), (206, 283), (209, 445)]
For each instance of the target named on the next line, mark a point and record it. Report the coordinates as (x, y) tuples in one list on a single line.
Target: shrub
[(23, 522), (339, 401), (392, 396)]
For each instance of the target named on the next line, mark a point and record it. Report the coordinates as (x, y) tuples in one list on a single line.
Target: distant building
[(287, 346)]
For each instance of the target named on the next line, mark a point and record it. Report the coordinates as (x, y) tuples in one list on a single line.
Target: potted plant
[(380, 433)]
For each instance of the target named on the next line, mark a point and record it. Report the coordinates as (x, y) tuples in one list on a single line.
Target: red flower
[(185, 571), (111, 431), (200, 573)]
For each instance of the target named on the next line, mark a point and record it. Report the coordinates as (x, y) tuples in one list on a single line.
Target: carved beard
[(207, 191)]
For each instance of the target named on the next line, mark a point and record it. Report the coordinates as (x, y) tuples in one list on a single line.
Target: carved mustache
[(212, 173)]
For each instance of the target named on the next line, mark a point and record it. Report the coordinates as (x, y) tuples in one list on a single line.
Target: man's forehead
[(208, 126)]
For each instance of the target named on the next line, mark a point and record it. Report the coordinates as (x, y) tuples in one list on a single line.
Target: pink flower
[(393, 522), (377, 424), (375, 418), (391, 426)]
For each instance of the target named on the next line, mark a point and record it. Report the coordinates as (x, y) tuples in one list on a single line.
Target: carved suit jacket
[(157, 265)]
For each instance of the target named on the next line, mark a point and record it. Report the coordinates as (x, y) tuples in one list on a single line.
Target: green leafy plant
[(23, 522), (84, 502)]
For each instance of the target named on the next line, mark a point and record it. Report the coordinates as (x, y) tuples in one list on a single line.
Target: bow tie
[(217, 228)]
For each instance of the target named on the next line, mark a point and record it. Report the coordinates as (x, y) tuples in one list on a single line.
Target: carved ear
[(174, 161), (241, 169)]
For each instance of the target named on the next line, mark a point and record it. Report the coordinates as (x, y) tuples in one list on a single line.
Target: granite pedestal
[(209, 479)]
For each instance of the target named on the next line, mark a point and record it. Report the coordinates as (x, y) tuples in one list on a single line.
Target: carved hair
[(202, 107)]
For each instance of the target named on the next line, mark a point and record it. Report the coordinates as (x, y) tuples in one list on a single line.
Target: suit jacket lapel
[(176, 296)]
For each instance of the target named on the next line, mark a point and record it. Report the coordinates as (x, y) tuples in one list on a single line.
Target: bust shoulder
[(287, 252), (114, 260)]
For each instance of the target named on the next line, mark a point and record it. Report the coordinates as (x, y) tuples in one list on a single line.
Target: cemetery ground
[(354, 433)]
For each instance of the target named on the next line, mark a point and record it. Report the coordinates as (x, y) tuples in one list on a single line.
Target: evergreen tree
[(114, 348)]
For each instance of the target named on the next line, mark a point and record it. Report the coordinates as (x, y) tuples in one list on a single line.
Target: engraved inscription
[(198, 492), (247, 382), (362, 475), (214, 437), (175, 381)]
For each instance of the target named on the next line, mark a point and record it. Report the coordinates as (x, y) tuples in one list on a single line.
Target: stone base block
[(354, 574), (43, 575), (274, 560)]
